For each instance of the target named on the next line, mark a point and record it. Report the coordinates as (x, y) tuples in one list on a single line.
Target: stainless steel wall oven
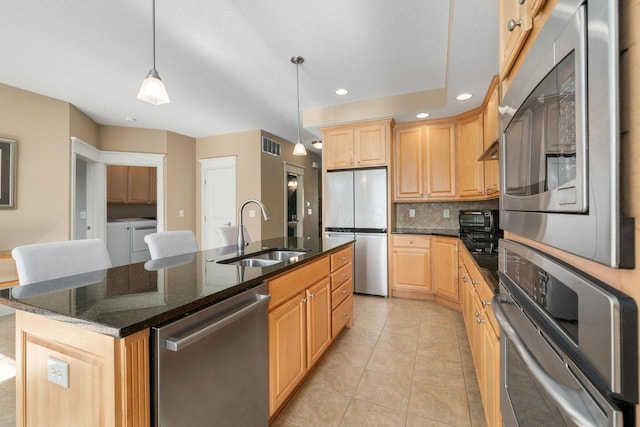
[(559, 148), (569, 345)]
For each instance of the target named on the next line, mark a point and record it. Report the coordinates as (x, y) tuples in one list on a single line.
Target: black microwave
[(559, 141), (484, 220)]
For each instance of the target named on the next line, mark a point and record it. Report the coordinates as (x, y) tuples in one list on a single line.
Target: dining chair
[(39, 262), (229, 235), (171, 243)]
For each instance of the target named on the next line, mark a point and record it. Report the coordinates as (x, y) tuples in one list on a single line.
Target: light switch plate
[(412, 213), (58, 372), (446, 213), (252, 214)]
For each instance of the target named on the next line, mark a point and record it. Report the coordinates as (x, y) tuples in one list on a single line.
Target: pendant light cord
[(153, 14), (298, 93)]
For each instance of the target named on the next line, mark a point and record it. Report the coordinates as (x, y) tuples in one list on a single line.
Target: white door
[(218, 198)]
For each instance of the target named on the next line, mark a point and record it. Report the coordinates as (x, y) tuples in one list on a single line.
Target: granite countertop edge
[(169, 315), (447, 232)]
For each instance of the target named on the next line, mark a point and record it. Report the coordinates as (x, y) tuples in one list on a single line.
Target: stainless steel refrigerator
[(355, 203)]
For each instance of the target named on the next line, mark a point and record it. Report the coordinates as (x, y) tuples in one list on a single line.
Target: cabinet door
[(470, 147), (287, 338), (513, 28), (445, 267), (412, 268), (491, 133), (440, 161), (153, 185), (338, 148), (370, 145), (117, 183), (318, 320), (409, 164), (138, 185)]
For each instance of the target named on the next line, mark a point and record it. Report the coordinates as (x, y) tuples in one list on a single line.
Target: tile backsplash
[(431, 215)]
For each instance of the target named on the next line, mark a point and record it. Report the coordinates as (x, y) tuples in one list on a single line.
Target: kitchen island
[(98, 324)]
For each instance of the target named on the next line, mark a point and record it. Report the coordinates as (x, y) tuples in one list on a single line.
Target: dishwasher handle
[(177, 344)]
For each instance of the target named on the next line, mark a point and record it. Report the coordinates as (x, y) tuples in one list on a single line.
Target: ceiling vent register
[(270, 146)]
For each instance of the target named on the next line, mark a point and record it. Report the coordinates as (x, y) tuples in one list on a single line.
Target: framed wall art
[(8, 148)]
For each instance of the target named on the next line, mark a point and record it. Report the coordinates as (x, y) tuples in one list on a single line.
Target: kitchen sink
[(264, 259), (256, 262)]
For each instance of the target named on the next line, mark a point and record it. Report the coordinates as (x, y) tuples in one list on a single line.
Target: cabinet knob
[(345, 314), (312, 295), (304, 300), (521, 2), (344, 258), (344, 292), (464, 279), (411, 242), (485, 303), (344, 274), (512, 24), (474, 282), (480, 320)]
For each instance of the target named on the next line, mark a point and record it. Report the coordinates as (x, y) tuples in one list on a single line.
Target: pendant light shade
[(152, 89), (298, 149)]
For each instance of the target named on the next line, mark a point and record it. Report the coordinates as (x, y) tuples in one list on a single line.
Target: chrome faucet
[(241, 242)]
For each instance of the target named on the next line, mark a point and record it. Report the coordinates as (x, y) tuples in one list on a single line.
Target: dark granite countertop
[(448, 232), (489, 268), (123, 300)]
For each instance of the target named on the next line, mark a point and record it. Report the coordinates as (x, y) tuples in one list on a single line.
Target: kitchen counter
[(123, 300), (447, 232)]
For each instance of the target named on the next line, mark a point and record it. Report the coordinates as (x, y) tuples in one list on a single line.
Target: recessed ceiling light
[(341, 92), (463, 96), (422, 115), (131, 119)]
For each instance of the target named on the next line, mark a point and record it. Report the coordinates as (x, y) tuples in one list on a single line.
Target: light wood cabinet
[(358, 145), (514, 24), (491, 133), (305, 314), (445, 267), (410, 265), (483, 333), (470, 147), (131, 184), (424, 162)]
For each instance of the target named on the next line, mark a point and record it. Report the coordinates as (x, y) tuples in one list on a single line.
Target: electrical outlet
[(412, 213), (58, 372), (252, 214), (445, 213), (180, 213), (309, 212)]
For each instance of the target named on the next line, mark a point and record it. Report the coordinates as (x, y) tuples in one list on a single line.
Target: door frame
[(292, 168)]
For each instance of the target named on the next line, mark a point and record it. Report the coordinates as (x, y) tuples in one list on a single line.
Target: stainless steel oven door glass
[(559, 147), (545, 136), (541, 386), (569, 346)]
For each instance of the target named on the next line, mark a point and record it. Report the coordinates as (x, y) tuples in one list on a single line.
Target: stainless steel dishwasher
[(210, 367)]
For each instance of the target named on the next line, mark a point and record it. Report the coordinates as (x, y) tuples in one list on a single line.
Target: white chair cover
[(229, 235), (170, 243)]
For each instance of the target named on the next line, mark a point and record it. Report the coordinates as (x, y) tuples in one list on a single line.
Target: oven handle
[(568, 400)]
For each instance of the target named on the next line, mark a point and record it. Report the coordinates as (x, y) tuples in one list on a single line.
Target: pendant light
[(152, 89), (298, 149)]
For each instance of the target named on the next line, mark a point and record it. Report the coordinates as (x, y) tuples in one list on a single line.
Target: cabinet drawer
[(283, 287), (411, 240), (341, 316), (485, 294), (340, 294), (341, 258), (342, 275)]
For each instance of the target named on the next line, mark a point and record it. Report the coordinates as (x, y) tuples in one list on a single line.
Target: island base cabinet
[(108, 377)]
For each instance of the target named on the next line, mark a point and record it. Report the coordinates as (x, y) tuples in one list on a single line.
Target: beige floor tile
[(417, 421), (401, 341), (313, 407), (392, 363), (384, 389), (350, 354), (361, 413), (444, 404), (335, 376), (476, 410), (439, 371)]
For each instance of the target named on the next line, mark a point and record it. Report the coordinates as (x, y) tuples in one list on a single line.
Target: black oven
[(559, 146), (569, 353), (480, 231)]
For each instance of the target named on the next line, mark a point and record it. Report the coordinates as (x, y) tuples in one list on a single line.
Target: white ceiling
[(226, 63)]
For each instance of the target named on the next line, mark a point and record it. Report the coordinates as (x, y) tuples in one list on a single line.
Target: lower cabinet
[(484, 335), (309, 306), (425, 267)]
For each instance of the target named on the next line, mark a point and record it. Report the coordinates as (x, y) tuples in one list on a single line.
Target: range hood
[(491, 153)]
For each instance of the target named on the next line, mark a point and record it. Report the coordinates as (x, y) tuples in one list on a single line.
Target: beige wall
[(180, 182), (273, 189), (82, 127), (117, 138), (41, 126), (246, 147)]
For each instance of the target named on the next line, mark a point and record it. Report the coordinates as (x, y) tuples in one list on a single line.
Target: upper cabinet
[(514, 24), (424, 161), (357, 145), (131, 184), (470, 148)]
